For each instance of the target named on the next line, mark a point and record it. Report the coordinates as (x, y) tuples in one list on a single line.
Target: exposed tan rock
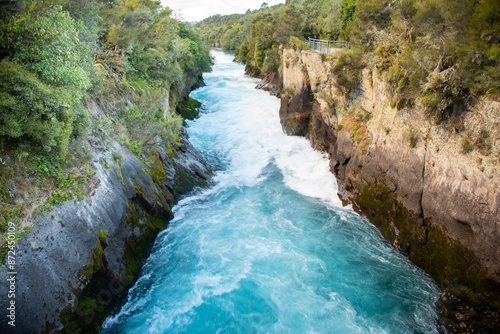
[(422, 164), (433, 190)]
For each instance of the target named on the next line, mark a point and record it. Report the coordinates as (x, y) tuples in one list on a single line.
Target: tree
[(47, 43), (33, 109), (42, 107)]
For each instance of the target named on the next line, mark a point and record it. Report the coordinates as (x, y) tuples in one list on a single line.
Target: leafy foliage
[(256, 35), (129, 57), (142, 40), (347, 13), (156, 60), (438, 54), (442, 54), (47, 43), (52, 48), (147, 124), (348, 71), (33, 109)]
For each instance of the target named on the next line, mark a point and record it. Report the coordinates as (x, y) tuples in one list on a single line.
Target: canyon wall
[(433, 199), (79, 259)]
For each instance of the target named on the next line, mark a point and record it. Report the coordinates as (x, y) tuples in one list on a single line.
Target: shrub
[(482, 143), (136, 147), (272, 61), (146, 123), (347, 14), (444, 95), (81, 121), (348, 71), (188, 108), (327, 98), (404, 77), (47, 42), (33, 109), (297, 44), (117, 156)]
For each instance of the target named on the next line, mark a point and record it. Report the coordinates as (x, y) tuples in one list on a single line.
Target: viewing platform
[(327, 47)]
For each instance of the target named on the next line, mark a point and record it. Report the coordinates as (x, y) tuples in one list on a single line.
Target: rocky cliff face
[(418, 182), (79, 259)]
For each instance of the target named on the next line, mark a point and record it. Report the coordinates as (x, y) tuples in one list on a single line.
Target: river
[(268, 247)]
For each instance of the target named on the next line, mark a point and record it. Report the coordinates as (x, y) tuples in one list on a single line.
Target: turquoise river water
[(268, 247)]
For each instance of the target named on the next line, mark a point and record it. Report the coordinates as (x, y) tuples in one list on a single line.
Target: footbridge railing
[(328, 47)]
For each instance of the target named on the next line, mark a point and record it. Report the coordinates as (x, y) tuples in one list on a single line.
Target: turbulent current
[(268, 248)]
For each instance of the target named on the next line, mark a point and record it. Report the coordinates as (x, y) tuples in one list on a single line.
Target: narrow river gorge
[(268, 247)]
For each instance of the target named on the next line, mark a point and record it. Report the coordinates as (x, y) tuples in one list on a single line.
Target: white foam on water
[(253, 252), (255, 138)]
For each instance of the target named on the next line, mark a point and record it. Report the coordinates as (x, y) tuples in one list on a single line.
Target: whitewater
[(268, 246)]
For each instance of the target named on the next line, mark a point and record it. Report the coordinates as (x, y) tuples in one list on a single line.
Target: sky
[(196, 10)]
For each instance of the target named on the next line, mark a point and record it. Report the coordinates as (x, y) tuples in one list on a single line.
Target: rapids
[(268, 247)]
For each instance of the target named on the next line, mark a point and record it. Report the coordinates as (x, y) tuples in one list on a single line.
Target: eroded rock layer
[(410, 177), (82, 257)]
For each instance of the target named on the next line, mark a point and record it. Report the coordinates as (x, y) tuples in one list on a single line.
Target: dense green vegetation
[(129, 57), (54, 45), (442, 54), (439, 56), (257, 35)]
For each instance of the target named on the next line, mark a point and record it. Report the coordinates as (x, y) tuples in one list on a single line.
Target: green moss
[(185, 182), (95, 264), (137, 187), (90, 308), (288, 92), (102, 237), (133, 217), (447, 261), (427, 245), (138, 248), (118, 171), (292, 123), (165, 197), (188, 107), (103, 291), (363, 145), (359, 132), (156, 170)]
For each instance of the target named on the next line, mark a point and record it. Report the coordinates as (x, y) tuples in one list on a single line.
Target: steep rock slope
[(410, 176), (82, 257)]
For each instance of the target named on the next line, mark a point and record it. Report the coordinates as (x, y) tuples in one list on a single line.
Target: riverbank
[(434, 202), (268, 246), (76, 261)]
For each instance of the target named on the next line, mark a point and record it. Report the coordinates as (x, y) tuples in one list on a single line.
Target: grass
[(32, 184)]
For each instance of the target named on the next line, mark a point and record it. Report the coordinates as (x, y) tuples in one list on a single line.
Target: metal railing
[(328, 47)]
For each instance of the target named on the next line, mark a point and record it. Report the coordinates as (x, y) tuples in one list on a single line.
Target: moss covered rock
[(188, 107), (80, 259)]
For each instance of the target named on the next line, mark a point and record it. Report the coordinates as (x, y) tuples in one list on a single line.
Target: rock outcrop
[(78, 260), (435, 201)]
